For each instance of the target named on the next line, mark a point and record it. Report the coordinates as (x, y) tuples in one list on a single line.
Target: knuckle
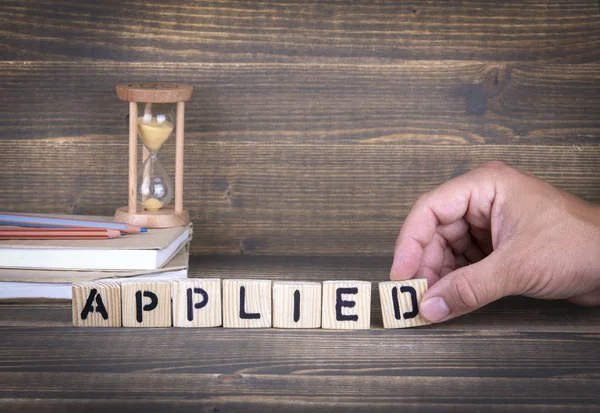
[(465, 295), (493, 165)]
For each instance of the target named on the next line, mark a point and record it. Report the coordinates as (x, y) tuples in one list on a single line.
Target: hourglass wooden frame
[(154, 92)]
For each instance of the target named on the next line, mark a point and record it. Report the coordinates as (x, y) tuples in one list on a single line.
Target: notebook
[(144, 251), (56, 284)]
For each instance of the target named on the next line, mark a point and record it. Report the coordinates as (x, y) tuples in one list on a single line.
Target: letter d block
[(247, 303), (296, 304), (197, 302), (400, 302), (346, 305), (96, 304), (146, 303)]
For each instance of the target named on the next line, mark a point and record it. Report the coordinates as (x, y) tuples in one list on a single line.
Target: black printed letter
[(413, 301), (296, 306), (339, 303), (148, 307), (197, 306), (243, 313), (89, 305)]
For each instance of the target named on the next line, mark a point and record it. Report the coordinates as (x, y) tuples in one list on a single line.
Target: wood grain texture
[(279, 198), (426, 102), (247, 303), (297, 304), (401, 309), (346, 305), (291, 31), (146, 303), (193, 308), (450, 366), (105, 305)]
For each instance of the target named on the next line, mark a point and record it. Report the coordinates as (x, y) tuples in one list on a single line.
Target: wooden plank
[(293, 405), (292, 31), (411, 352), (273, 369), (422, 102), (275, 393), (282, 199)]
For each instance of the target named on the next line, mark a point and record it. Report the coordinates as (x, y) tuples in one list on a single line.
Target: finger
[(448, 203), (590, 299), (460, 261), (449, 263), (468, 247), (458, 235), (466, 289)]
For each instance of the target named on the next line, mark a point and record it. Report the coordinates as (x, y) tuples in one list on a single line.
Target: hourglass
[(155, 110)]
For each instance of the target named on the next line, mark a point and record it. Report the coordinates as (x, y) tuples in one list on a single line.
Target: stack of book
[(37, 265)]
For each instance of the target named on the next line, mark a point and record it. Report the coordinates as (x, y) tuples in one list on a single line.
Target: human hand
[(497, 231)]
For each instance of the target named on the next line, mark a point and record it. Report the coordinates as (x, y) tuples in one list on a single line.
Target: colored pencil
[(57, 222), (58, 233)]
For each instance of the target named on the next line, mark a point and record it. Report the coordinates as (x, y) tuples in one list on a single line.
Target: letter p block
[(197, 302)]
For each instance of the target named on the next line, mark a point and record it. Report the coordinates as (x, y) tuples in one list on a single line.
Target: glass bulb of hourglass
[(154, 128), (155, 188)]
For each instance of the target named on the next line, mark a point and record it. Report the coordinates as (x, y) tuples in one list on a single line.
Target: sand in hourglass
[(153, 134)]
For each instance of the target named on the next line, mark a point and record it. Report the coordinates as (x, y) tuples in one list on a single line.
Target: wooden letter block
[(400, 302), (246, 303), (197, 302), (296, 304), (346, 305), (97, 304), (146, 303)]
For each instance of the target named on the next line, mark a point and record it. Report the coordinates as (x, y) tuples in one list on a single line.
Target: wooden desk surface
[(516, 354)]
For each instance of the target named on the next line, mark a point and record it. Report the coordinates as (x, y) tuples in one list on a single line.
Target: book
[(17, 284), (142, 251)]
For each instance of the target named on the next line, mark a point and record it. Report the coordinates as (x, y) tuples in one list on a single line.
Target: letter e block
[(96, 304), (346, 305), (296, 304), (246, 303), (197, 302), (400, 302), (146, 303)]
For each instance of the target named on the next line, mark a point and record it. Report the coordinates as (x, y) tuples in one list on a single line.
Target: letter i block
[(346, 305), (197, 302), (296, 304), (96, 304), (400, 302), (246, 303), (146, 303)]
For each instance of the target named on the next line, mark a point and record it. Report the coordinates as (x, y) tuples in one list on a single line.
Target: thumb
[(466, 289)]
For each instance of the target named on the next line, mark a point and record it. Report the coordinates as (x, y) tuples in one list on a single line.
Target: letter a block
[(346, 305), (146, 303), (400, 302), (247, 303), (197, 302), (296, 304), (96, 304)]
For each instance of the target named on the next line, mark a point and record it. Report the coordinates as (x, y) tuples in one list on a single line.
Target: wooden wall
[(314, 124)]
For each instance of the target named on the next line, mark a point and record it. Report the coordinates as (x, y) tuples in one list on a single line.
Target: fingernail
[(435, 309)]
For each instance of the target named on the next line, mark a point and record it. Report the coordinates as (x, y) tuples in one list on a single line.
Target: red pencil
[(13, 233)]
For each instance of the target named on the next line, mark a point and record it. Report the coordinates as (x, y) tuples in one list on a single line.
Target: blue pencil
[(55, 222)]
